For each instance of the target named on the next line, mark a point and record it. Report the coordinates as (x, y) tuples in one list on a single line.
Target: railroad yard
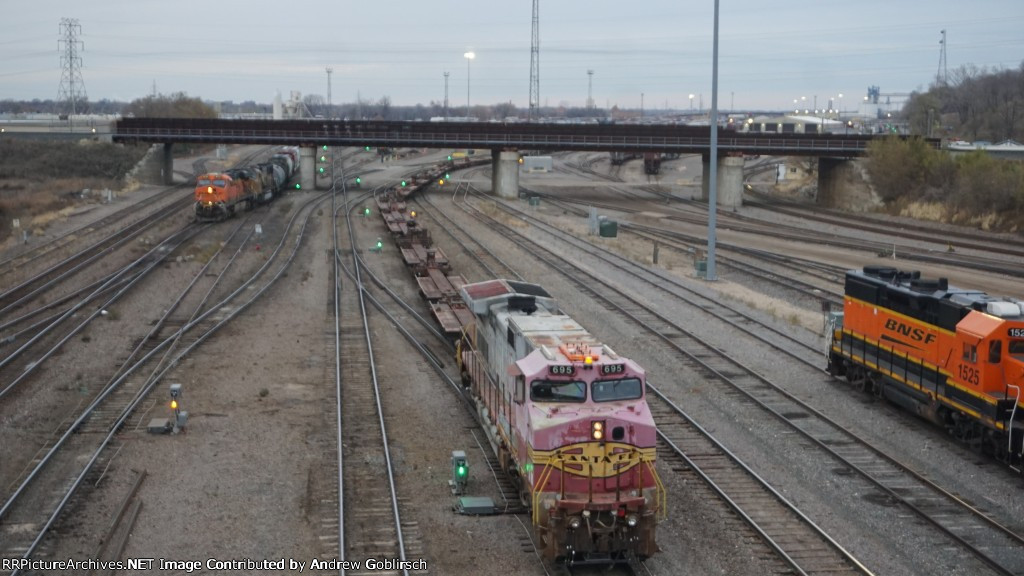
[(768, 462)]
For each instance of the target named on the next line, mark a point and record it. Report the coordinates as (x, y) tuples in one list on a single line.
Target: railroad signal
[(403, 183), (449, 157), (180, 416), (366, 211), (460, 472), (298, 186), (359, 181), (325, 147), (367, 148), (440, 182)]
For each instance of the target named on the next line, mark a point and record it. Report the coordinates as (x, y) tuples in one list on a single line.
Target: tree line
[(971, 104)]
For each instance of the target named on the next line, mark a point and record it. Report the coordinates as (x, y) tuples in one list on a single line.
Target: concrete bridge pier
[(167, 165), (833, 173), (307, 168), (505, 173), (730, 180)]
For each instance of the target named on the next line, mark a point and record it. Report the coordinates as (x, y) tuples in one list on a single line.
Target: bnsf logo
[(909, 331)]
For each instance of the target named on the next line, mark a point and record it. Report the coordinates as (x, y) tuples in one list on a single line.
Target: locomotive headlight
[(632, 520), (574, 522), (597, 430), (209, 189)]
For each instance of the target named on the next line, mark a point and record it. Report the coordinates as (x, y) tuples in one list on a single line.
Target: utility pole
[(329, 109), (535, 62), (445, 96), (72, 87)]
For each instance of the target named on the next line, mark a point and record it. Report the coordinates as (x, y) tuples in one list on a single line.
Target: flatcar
[(569, 421), (952, 355)]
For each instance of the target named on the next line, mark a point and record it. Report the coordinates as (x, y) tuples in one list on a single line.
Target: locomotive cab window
[(995, 351), (549, 391), (1016, 348), (970, 352), (611, 390)]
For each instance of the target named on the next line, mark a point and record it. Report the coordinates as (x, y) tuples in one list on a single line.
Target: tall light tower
[(590, 89), (535, 62), (942, 75), (445, 96), (469, 59), (72, 87), (329, 71)]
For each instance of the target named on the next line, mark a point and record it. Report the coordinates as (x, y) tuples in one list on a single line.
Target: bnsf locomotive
[(568, 419), (218, 194), (952, 355)]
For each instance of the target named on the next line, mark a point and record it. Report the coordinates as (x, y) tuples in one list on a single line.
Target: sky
[(652, 55)]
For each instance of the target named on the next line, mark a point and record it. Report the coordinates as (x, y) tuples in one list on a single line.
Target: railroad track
[(83, 444), (370, 516), (975, 531)]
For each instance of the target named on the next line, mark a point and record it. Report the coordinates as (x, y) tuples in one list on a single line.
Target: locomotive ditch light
[(597, 429), (588, 362), (632, 520), (575, 522)]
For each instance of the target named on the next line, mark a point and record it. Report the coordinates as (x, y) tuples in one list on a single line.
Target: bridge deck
[(526, 136)]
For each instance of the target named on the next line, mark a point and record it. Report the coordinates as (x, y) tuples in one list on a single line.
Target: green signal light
[(321, 169), (461, 471), (449, 157), (325, 147), (403, 182), (367, 148), (379, 244), (323, 158), (359, 180), (366, 211), (298, 186)]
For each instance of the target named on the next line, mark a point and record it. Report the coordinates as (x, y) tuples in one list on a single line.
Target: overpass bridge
[(505, 140)]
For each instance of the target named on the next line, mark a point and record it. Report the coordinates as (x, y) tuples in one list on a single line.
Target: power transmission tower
[(590, 89), (329, 112), (942, 76), (72, 87), (535, 61), (445, 96)]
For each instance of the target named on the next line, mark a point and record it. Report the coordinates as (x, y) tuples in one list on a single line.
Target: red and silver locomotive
[(568, 419)]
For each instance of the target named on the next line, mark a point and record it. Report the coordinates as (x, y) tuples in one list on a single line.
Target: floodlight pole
[(713, 177)]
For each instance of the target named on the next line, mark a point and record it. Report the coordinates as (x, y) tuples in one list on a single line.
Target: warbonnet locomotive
[(952, 355), (567, 417)]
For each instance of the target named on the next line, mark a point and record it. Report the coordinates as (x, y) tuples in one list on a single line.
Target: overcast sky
[(770, 53)]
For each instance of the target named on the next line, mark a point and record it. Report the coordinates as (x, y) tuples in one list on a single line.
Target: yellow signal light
[(174, 404), (440, 182), (413, 213)]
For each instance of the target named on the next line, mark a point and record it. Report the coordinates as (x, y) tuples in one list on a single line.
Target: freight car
[(219, 194), (954, 356), (652, 162), (568, 419)]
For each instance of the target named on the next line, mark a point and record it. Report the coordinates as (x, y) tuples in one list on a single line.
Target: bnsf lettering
[(918, 334)]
